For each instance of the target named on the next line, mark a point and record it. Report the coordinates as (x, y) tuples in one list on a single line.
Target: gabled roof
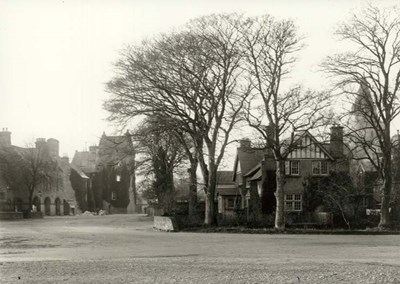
[(114, 148), (225, 184), (85, 160), (248, 158), (224, 177), (79, 171), (303, 135)]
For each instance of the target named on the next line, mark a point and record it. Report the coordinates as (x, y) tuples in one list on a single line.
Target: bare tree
[(271, 47), (25, 169), (373, 64), (191, 77)]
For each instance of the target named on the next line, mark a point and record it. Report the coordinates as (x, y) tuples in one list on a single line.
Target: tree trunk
[(385, 203), (210, 194), (279, 194), (192, 188), (30, 197), (386, 189)]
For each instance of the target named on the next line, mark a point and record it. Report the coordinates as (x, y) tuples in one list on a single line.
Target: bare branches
[(373, 64)]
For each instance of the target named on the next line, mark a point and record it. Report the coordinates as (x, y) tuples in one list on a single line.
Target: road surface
[(126, 249)]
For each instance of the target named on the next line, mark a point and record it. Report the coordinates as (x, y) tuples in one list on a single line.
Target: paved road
[(125, 249)]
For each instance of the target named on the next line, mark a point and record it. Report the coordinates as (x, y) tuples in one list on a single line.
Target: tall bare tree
[(372, 63), (191, 77), (271, 53), (25, 169)]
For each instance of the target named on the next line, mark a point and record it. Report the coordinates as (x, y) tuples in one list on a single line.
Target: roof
[(85, 160), (257, 175), (112, 148), (248, 158), (228, 191), (79, 171), (225, 177), (299, 139)]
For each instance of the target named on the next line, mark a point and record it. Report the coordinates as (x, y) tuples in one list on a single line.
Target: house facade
[(255, 170)]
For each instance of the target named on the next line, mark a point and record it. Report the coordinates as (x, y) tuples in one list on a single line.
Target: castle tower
[(5, 138), (41, 143)]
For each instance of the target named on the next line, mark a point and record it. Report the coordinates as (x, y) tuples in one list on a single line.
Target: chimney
[(336, 143), (245, 143), (40, 143), (53, 146), (5, 138), (270, 132)]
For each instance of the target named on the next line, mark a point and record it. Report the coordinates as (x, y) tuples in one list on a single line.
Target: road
[(125, 249)]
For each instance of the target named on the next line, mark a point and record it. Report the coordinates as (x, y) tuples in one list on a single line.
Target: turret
[(5, 138)]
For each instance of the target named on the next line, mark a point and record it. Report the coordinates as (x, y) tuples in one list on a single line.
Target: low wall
[(167, 224)]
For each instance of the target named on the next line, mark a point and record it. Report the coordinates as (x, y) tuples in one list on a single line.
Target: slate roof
[(225, 183), (248, 158), (225, 177), (79, 171)]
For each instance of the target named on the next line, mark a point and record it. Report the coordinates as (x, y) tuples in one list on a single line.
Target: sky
[(56, 56)]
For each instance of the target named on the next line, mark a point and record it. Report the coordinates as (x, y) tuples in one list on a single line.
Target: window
[(319, 167), (293, 202), (113, 195), (230, 203), (118, 178), (292, 168)]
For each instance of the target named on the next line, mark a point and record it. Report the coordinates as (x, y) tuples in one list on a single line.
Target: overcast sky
[(55, 56)]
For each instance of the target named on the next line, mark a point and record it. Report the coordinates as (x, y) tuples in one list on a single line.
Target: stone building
[(104, 176), (52, 197)]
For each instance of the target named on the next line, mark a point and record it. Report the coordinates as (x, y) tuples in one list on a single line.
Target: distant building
[(55, 197), (104, 176)]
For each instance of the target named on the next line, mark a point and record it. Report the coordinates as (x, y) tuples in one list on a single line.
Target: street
[(126, 249)]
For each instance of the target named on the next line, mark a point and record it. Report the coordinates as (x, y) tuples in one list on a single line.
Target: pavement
[(126, 249)]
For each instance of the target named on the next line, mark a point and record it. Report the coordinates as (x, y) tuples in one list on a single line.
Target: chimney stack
[(245, 143), (54, 147), (336, 143)]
